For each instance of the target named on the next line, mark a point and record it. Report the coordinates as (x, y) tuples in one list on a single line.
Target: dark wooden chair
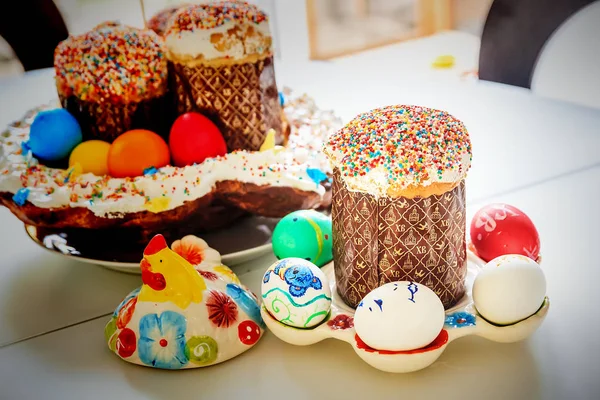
[(33, 28), (514, 35)]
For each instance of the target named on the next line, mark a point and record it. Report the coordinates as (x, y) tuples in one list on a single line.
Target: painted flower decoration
[(211, 276), (162, 340), (134, 293), (222, 310), (110, 331), (125, 344), (202, 350), (126, 313), (246, 301), (248, 332), (226, 273), (460, 319), (341, 321), (196, 251)]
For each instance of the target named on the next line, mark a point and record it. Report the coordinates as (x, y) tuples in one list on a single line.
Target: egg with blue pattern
[(296, 293), (304, 234)]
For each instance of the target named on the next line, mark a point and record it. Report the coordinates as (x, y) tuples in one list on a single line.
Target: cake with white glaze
[(398, 208), (221, 64)]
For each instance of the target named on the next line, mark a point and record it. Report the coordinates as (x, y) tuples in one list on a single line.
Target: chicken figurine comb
[(191, 310)]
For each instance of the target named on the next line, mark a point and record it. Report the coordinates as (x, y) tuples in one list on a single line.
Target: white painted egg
[(296, 292), (509, 289), (399, 316)]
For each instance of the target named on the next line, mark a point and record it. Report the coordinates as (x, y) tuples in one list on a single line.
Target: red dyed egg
[(194, 138), (500, 229)]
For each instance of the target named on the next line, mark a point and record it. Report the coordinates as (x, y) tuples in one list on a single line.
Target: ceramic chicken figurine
[(191, 311)]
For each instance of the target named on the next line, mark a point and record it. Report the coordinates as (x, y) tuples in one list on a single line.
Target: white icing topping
[(377, 182), (197, 43)]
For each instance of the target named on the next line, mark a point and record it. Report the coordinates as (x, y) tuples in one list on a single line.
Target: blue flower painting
[(162, 340), (460, 319), (130, 296), (246, 302)]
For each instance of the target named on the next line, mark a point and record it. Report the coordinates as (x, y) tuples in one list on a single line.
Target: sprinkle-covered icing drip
[(212, 15), (410, 145), (113, 63)]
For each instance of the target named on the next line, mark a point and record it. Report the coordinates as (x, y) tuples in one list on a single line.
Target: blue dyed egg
[(54, 134), (304, 234)]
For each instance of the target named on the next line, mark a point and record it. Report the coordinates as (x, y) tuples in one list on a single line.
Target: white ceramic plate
[(244, 241)]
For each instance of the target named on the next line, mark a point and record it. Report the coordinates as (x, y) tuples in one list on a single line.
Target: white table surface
[(521, 155)]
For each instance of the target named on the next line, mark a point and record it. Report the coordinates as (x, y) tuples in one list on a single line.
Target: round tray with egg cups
[(460, 320)]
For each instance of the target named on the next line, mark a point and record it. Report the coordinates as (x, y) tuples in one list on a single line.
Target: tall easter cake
[(398, 208), (113, 79), (103, 160), (221, 61)]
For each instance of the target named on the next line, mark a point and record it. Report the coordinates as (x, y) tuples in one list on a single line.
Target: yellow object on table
[(445, 61)]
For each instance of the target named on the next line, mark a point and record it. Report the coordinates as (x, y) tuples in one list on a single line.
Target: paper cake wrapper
[(106, 121), (241, 99), (376, 241)]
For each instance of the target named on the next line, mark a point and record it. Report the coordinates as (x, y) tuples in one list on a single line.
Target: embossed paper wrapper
[(106, 121), (376, 241), (242, 99)]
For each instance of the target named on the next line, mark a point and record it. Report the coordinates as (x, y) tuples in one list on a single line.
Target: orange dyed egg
[(136, 150)]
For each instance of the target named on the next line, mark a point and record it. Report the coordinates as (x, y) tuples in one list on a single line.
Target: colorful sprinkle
[(21, 196), (212, 15), (158, 204), (150, 171), (407, 142), (114, 63), (316, 175), (25, 149)]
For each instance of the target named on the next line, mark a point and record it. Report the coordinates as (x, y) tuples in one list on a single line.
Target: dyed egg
[(399, 316), (54, 134), (194, 138), (499, 229), (92, 156), (509, 289), (136, 150), (304, 234), (296, 293)]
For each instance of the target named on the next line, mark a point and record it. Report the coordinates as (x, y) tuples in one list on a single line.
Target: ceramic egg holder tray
[(461, 320)]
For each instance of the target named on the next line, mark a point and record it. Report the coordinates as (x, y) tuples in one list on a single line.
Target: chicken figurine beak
[(188, 313)]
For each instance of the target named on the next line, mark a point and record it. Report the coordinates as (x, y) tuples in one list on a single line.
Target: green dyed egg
[(304, 234)]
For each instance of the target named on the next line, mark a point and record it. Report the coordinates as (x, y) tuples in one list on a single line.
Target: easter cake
[(221, 61), (105, 98), (398, 211), (103, 161)]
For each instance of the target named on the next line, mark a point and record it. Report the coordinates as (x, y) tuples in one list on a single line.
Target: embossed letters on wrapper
[(376, 241)]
